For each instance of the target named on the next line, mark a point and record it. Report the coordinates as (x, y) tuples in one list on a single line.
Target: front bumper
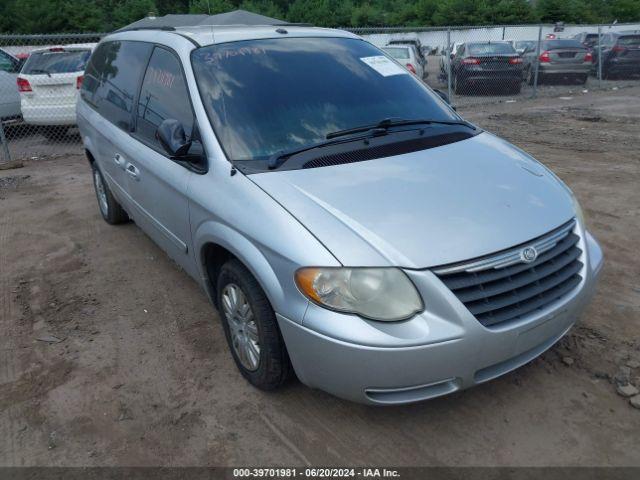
[(442, 350)]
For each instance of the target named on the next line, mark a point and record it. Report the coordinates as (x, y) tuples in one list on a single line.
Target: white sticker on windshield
[(384, 66)]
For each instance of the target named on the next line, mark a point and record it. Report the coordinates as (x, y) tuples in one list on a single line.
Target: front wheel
[(251, 328)]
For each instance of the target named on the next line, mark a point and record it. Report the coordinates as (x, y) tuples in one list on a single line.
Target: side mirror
[(171, 136)]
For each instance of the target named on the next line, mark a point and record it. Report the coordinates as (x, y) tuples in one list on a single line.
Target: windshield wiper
[(41, 70), (274, 160), (395, 122), (379, 129)]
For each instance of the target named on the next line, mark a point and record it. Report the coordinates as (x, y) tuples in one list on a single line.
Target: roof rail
[(167, 28)]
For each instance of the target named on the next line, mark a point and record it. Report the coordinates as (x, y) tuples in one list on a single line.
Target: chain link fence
[(477, 65), (40, 75)]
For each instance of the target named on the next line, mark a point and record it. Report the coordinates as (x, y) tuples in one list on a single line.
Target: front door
[(157, 185)]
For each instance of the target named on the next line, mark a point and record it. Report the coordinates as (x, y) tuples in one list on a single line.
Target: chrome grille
[(503, 287)]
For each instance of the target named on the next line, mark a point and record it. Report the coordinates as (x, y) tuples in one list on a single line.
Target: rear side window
[(525, 44), (629, 40), (112, 78), (163, 96), (490, 48), (56, 61), (7, 64)]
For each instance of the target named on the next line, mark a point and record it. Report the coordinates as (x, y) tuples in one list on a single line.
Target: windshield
[(397, 52), (273, 95), (490, 49), (56, 62)]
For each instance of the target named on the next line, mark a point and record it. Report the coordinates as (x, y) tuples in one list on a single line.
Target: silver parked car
[(557, 59), (9, 96), (356, 231)]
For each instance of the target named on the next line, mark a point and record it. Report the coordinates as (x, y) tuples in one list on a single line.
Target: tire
[(532, 77), (582, 79), (253, 336), (109, 208), (55, 132), (458, 86)]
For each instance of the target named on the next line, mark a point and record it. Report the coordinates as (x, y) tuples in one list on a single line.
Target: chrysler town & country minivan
[(346, 222)]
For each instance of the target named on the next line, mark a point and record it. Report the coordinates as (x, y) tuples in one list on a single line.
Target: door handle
[(119, 160), (132, 171)]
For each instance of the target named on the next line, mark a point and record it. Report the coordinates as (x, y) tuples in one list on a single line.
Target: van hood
[(433, 207)]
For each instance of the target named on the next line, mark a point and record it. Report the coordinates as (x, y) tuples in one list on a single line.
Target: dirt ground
[(110, 355)]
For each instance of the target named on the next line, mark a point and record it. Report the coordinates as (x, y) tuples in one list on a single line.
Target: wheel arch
[(218, 244)]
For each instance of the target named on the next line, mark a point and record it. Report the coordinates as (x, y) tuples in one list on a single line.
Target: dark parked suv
[(488, 64), (589, 40), (620, 54)]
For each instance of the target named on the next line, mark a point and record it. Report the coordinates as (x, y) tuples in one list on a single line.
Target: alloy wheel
[(242, 326), (101, 193)]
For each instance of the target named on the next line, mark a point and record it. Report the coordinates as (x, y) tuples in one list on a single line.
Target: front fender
[(258, 260)]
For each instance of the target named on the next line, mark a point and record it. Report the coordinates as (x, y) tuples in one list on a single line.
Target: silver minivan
[(346, 222)]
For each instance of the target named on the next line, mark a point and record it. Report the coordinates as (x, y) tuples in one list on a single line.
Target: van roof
[(74, 46), (212, 34)]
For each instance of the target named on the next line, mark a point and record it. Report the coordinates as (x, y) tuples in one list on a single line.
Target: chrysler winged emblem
[(528, 254)]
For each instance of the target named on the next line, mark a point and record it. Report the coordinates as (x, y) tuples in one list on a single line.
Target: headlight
[(578, 209), (384, 294)]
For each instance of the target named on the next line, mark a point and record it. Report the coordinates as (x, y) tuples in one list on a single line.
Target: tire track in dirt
[(7, 349)]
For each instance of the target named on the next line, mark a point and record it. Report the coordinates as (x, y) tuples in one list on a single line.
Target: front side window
[(629, 41), (56, 60), (267, 96), (163, 96)]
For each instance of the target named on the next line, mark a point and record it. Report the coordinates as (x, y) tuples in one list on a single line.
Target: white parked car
[(49, 84), (407, 56)]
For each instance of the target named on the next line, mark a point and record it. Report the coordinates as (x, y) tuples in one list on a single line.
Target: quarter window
[(163, 96), (7, 64)]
